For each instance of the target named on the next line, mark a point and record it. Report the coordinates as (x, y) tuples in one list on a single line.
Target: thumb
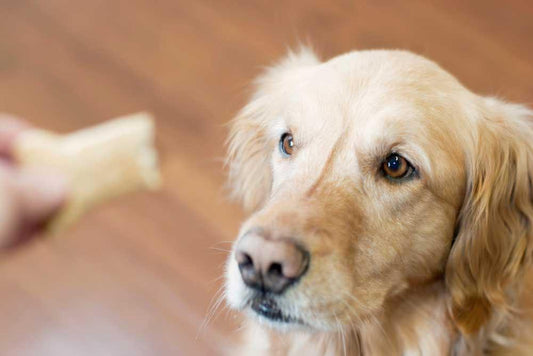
[(10, 127), (39, 193)]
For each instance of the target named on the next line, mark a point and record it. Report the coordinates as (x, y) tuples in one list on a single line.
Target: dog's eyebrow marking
[(328, 164)]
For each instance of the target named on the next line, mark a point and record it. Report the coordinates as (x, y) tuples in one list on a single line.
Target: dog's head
[(370, 174)]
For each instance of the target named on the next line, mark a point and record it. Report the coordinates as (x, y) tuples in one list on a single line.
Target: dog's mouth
[(268, 308)]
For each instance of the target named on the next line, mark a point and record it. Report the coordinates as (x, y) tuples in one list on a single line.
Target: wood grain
[(136, 276)]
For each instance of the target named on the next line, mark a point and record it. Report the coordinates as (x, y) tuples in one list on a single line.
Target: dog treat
[(100, 162)]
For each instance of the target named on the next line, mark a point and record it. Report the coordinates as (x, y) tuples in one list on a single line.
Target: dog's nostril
[(275, 269), (250, 275), (246, 265), (246, 260)]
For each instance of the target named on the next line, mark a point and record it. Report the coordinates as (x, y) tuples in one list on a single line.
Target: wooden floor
[(136, 276)]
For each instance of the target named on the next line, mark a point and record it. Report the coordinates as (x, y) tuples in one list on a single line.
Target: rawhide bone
[(100, 162)]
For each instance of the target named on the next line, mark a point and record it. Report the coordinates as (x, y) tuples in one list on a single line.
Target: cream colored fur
[(430, 266)]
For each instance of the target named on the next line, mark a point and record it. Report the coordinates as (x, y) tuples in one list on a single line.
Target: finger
[(40, 194), (27, 199), (10, 127), (9, 212)]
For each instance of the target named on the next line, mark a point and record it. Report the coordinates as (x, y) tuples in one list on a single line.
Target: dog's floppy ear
[(249, 144), (494, 241)]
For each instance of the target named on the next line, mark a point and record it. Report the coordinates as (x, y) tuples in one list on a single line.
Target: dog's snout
[(270, 265)]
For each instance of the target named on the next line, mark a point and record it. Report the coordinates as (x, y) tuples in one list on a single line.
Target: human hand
[(27, 197)]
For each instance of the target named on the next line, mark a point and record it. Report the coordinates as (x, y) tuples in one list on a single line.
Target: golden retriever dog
[(390, 211)]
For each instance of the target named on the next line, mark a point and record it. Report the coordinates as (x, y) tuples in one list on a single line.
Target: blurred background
[(136, 276)]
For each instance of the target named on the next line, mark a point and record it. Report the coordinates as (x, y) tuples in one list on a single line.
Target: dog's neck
[(415, 323)]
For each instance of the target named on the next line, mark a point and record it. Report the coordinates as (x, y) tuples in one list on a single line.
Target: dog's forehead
[(369, 91), (373, 102)]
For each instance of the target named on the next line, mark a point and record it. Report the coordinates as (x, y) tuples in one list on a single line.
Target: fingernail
[(52, 186)]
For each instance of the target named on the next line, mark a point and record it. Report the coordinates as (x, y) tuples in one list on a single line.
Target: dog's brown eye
[(286, 144), (396, 167)]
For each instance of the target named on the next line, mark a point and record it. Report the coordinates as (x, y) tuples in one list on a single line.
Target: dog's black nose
[(270, 265)]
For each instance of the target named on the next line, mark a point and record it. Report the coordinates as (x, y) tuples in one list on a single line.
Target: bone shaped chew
[(100, 162)]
